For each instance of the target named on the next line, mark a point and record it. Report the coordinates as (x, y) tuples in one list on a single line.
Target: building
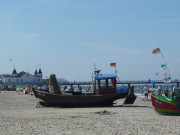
[(22, 78)]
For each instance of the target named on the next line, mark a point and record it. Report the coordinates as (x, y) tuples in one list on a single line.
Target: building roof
[(14, 72), (21, 73), (18, 75), (40, 72), (8, 75), (35, 72)]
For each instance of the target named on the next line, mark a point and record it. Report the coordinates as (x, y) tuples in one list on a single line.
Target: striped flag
[(156, 51), (113, 64)]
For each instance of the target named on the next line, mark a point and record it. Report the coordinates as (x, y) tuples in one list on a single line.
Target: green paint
[(166, 111)]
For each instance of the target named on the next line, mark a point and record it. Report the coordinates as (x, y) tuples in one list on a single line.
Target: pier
[(129, 83)]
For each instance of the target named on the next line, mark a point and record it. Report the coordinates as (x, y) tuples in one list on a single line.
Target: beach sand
[(20, 116)]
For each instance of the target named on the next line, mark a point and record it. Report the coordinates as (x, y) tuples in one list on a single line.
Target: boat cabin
[(105, 84)]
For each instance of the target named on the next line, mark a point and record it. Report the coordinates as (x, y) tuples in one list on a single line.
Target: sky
[(68, 37)]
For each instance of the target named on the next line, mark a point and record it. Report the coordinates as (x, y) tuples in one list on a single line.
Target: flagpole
[(166, 64)]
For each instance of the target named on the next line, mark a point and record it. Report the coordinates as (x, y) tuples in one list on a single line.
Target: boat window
[(103, 83), (109, 83)]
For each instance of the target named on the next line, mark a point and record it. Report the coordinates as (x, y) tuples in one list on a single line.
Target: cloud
[(112, 49)]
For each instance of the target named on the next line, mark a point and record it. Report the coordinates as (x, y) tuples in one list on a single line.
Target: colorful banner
[(156, 51), (163, 65), (157, 73)]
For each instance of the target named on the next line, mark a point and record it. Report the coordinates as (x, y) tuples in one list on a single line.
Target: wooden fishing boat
[(169, 105), (104, 94)]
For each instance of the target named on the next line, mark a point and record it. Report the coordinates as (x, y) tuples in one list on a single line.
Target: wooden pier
[(129, 83)]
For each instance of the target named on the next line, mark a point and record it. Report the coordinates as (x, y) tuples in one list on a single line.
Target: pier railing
[(129, 83), (118, 82)]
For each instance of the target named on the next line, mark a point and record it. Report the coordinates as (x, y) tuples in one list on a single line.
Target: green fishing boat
[(168, 104)]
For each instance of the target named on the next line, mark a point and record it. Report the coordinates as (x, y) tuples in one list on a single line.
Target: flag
[(157, 73), (156, 51), (163, 66), (113, 64)]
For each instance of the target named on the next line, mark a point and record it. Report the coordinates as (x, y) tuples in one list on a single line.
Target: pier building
[(22, 78)]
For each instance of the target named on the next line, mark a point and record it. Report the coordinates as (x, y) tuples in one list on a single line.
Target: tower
[(40, 73), (14, 73), (35, 73)]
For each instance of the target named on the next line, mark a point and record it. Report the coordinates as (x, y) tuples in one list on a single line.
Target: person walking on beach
[(146, 92)]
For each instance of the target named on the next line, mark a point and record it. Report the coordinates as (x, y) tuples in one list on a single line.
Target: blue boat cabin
[(105, 84)]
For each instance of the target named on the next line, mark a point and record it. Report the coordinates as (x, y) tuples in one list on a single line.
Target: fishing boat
[(104, 93), (169, 105), (162, 101)]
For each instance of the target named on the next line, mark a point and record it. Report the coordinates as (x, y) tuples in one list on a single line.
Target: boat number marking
[(158, 101)]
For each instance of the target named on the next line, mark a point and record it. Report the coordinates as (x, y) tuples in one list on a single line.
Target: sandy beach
[(19, 114)]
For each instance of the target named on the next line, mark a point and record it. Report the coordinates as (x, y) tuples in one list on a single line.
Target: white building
[(22, 78)]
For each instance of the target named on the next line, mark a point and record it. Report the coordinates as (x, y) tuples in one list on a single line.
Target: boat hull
[(78, 100), (164, 106)]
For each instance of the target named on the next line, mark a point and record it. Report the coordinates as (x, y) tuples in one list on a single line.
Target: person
[(166, 92), (47, 89), (159, 91), (79, 88), (71, 88), (64, 88), (173, 92), (146, 92)]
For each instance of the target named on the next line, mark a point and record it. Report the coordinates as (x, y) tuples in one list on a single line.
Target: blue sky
[(66, 37)]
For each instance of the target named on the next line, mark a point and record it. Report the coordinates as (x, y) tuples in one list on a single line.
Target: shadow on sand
[(44, 104)]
